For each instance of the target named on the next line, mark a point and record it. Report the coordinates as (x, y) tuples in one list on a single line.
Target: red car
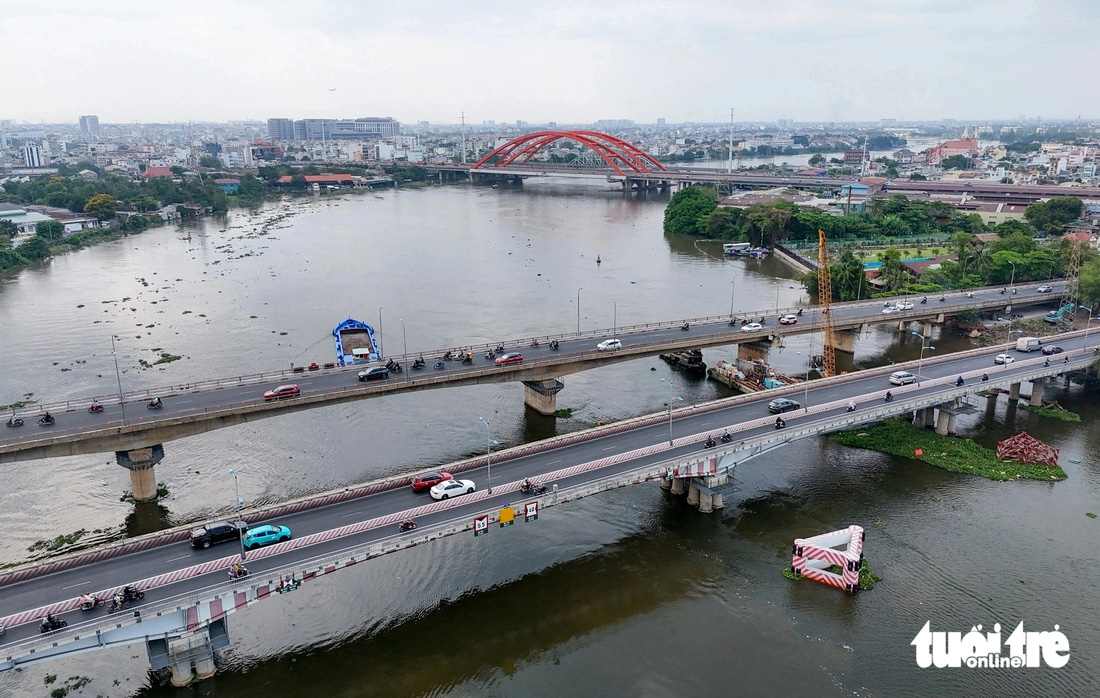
[(513, 358), (288, 390), (428, 480)]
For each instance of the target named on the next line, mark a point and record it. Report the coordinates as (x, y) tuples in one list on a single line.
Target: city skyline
[(570, 63)]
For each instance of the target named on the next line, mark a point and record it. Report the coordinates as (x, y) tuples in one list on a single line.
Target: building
[(89, 125), (321, 180), (962, 146), (904, 156), (229, 186), (280, 129), (853, 157), (25, 221), (157, 172), (32, 156)]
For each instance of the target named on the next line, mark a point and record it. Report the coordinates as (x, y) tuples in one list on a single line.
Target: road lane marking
[(78, 584), (354, 513), (181, 557), (608, 448), (554, 461)]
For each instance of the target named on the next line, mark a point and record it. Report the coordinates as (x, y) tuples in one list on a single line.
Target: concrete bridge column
[(944, 423), (751, 351), (193, 649), (693, 494), (706, 503), (541, 396), (677, 485), (140, 462), (926, 331), (845, 341), (1037, 386), (1014, 391), (716, 501), (665, 484), (928, 417)]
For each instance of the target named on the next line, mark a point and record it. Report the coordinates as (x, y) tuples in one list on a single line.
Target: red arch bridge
[(619, 157)]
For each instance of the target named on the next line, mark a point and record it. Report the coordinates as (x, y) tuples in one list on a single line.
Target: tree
[(894, 272), (817, 159), (687, 207), (250, 187), (52, 230), (955, 162), (36, 247), (723, 223), (209, 161), (917, 175), (767, 224), (1053, 215), (102, 206), (177, 170), (1088, 284), (8, 228)]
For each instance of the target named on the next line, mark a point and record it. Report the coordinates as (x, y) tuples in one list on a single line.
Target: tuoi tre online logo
[(977, 650)]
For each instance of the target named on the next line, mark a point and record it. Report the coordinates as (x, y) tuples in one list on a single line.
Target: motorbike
[(447, 356), (94, 603), (238, 571), (1014, 292), (490, 355), (970, 294), (779, 423), (419, 363), (15, 422), (553, 344), (393, 366), (533, 488), (985, 377), (733, 321), (439, 364), (500, 348), (727, 437), (467, 360), (49, 624), (943, 299), (1002, 291), (685, 327), (799, 312), (534, 343), (923, 301), (851, 407), (709, 443), (155, 404), (888, 397), (406, 525), (95, 407), (47, 419), (1046, 363), (959, 381)]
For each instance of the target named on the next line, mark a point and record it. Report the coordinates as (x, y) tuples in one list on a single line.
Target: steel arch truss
[(617, 153)]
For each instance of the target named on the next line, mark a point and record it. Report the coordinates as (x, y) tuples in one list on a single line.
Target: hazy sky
[(541, 61)]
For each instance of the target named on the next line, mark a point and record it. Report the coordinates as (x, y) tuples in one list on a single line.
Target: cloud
[(564, 61)]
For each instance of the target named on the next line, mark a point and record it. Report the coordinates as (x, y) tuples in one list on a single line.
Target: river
[(630, 592)]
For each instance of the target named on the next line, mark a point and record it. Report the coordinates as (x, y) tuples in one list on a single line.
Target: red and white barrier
[(812, 556)]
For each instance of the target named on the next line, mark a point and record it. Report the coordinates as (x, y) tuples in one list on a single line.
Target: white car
[(903, 305), (902, 378), (1003, 359), (891, 309), (452, 488), (788, 320), (1044, 289), (752, 327), (609, 345)]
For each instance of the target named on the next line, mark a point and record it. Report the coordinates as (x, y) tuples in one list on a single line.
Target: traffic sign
[(481, 525), (531, 511), (507, 516)]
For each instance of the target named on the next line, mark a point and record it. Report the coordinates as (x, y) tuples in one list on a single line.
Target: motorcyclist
[(726, 436), (779, 423), (1046, 362), (889, 396), (959, 380), (47, 417), (96, 406), (710, 442), (851, 405), (155, 402), (14, 419), (799, 311), (985, 376), (87, 600), (526, 483), (500, 347)]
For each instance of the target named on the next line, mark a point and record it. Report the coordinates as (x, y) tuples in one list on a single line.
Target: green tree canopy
[(1053, 215), (209, 161), (955, 162), (102, 206), (51, 230), (687, 207), (723, 223), (1088, 284)]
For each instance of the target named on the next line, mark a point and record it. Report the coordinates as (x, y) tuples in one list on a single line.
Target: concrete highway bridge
[(137, 434), (184, 615)]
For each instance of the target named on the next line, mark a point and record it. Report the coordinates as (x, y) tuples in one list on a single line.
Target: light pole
[(240, 502), (1012, 280), (488, 455), (806, 388), (118, 377), (920, 361), (668, 406), (405, 348), (380, 332), (1087, 323), (733, 286), (579, 310), (615, 320)]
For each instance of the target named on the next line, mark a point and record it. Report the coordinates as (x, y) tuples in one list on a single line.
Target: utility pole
[(729, 166), (463, 138)]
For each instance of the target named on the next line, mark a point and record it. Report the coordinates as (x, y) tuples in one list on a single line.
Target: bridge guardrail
[(753, 445)]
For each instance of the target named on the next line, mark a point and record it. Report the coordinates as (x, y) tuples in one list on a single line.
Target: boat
[(690, 360), (355, 343), (749, 376)]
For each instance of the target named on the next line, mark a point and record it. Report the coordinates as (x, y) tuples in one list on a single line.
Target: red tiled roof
[(158, 172), (321, 179)]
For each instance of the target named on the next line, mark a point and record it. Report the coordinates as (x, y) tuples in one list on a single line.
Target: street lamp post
[(380, 332), (1087, 323), (668, 406), (118, 377), (733, 286), (405, 348), (240, 502), (1012, 279), (615, 320), (488, 455), (579, 310), (920, 361)]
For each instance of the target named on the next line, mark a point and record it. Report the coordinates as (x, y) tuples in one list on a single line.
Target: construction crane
[(825, 301)]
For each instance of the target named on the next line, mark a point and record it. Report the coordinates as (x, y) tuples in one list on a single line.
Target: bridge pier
[(677, 486), (542, 396), (191, 658), (845, 341), (140, 462), (945, 424), (752, 351), (1014, 391), (926, 330), (1037, 386)]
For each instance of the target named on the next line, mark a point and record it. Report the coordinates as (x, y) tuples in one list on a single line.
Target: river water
[(630, 592)]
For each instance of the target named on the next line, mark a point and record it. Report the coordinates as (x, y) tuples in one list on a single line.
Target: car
[(902, 378), (788, 320), (752, 327), (1044, 289), (452, 488), (429, 480), (217, 532), (782, 404), (891, 309), (1003, 359), (903, 305), (511, 358), (374, 373), (609, 345), (265, 535), (1050, 349), (288, 390)]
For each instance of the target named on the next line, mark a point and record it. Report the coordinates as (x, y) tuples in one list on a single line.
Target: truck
[(1028, 344)]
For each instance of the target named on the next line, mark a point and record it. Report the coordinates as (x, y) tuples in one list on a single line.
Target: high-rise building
[(31, 156), (280, 129), (89, 125), (661, 121)]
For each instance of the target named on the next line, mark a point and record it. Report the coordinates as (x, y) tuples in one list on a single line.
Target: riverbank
[(959, 455)]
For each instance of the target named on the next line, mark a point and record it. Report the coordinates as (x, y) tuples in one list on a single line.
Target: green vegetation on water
[(565, 413), (900, 438), (1055, 412), (59, 542), (867, 578)]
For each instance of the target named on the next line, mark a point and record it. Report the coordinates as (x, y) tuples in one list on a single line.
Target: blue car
[(265, 535)]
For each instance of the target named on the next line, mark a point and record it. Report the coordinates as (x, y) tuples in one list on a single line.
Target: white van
[(1028, 344)]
